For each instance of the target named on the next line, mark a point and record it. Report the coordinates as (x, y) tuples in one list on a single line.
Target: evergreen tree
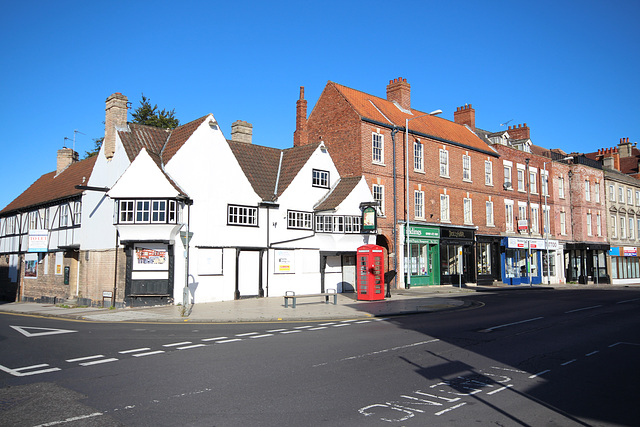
[(97, 143), (145, 114)]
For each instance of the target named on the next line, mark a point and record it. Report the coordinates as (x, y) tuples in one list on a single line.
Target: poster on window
[(31, 268), (284, 262), (38, 240), (151, 257)]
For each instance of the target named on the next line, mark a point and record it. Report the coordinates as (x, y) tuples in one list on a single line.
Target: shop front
[(526, 261), (625, 264), (424, 243), (457, 255), (488, 259), (586, 262)]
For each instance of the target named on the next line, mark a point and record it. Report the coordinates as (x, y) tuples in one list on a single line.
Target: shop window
[(484, 258)]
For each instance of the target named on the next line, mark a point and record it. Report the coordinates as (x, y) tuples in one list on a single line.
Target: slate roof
[(384, 111), (50, 188), (261, 164), (338, 193)]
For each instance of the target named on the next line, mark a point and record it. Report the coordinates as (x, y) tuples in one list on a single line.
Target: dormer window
[(147, 211), (320, 178)]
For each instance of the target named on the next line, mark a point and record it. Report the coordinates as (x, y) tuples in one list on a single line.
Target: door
[(149, 279), (348, 272), (249, 274)]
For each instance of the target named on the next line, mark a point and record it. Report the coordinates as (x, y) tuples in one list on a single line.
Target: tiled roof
[(179, 136), (138, 136), (383, 111), (50, 188), (261, 164), (338, 193)]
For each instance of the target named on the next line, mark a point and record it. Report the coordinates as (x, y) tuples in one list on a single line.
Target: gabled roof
[(338, 193), (179, 136), (262, 164), (50, 187), (386, 112)]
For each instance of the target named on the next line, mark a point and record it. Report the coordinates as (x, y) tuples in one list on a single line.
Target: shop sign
[(284, 261), (538, 244), (456, 233), (628, 251), (523, 225), (38, 240), (424, 232), (369, 219), (614, 251)]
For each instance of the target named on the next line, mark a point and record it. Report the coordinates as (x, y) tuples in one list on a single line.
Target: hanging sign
[(369, 219)]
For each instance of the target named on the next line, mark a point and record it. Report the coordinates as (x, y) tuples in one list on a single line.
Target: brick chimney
[(116, 117), (465, 115), (301, 135), (518, 132), (624, 147), (400, 91), (66, 156), (241, 131), (610, 157)]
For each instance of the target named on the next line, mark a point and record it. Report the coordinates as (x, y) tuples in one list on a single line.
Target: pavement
[(272, 309)]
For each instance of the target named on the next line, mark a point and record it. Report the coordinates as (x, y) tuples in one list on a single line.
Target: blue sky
[(568, 69)]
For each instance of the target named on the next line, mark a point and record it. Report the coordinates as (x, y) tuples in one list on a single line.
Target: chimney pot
[(115, 117), (66, 157), (399, 91)]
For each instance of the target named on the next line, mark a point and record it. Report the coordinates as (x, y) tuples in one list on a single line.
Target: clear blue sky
[(568, 69)]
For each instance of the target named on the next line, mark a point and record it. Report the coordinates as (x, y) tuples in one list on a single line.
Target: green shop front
[(424, 243)]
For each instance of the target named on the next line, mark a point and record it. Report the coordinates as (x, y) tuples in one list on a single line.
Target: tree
[(97, 143), (145, 114)]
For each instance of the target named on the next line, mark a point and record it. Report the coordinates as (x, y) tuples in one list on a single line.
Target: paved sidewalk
[(402, 301)]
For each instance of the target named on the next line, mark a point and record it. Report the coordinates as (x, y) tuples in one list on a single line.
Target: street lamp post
[(407, 283)]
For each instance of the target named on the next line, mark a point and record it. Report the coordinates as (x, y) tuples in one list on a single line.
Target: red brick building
[(452, 180)]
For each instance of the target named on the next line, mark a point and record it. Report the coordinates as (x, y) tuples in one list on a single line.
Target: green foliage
[(149, 115), (97, 143)]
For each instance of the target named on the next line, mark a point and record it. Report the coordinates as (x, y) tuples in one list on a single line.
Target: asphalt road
[(534, 358)]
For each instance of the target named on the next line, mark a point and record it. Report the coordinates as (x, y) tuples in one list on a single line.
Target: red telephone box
[(370, 272)]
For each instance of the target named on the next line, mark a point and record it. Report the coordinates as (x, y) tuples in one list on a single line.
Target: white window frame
[(418, 156), (508, 178), (620, 194), (508, 215), (489, 213), (143, 211), (623, 228), (445, 215), (598, 225), (631, 223), (533, 180), (159, 211), (33, 220), (299, 220), (535, 215), (243, 216), (126, 211), (629, 197), (77, 212), (64, 215), (612, 193), (587, 190), (488, 173), (418, 204), (466, 168), (377, 190), (320, 178), (561, 187), (521, 178), (377, 148), (563, 223), (589, 231), (544, 182), (546, 220), (596, 190), (614, 227), (467, 205), (444, 163)]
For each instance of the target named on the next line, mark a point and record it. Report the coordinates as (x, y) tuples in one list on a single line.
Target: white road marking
[(568, 362), (629, 300), (511, 324), (175, 344), (262, 336), (582, 309), (226, 341), (79, 359), (148, 354), (364, 321), (340, 324), (16, 372), (214, 339), (69, 420), (302, 327), (317, 328), (276, 330), (24, 330), (539, 373), (135, 350), (327, 324), (592, 353), (191, 346), (386, 350), (451, 409), (247, 334), (96, 362), (289, 332), (500, 389)]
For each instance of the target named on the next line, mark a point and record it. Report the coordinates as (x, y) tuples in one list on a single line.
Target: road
[(529, 358)]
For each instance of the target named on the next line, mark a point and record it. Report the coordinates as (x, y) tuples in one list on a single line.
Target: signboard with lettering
[(284, 261), (456, 233), (38, 240), (369, 219), (518, 243), (424, 232), (630, 251)]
